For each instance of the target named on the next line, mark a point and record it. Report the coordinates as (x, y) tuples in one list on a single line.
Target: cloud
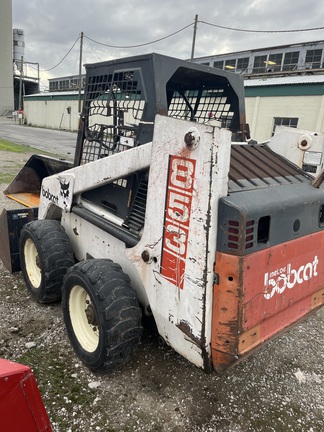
[(51, 28)]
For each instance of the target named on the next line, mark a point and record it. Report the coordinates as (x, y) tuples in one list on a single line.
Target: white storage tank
[(18, 46)]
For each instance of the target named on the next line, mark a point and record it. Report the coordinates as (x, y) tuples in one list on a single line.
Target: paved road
[(61, 143)]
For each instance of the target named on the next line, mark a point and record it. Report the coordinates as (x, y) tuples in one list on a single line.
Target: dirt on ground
[(279, 388)]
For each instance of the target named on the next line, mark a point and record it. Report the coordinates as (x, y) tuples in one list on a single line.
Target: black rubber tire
[(45, 255), (117, 324)]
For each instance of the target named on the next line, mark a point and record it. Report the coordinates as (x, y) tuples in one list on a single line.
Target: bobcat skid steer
[(162, 216)]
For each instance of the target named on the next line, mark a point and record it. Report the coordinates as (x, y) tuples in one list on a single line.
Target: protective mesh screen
[(202, 107), (115, 103), (113, 107)]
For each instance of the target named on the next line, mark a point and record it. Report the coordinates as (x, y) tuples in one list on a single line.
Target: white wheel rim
[(31, 263), (87, 334)]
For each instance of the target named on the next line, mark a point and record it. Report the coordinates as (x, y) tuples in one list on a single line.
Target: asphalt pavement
[(61, 143)]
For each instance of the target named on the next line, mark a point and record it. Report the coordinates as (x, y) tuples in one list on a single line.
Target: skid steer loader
[(169, 213)]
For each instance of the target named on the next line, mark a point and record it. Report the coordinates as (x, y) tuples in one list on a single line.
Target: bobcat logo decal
[(64, 192)]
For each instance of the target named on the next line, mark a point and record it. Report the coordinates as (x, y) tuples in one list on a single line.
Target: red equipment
[(21, 405)]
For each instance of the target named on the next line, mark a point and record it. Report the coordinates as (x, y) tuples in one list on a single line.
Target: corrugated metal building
[(296, 101), (54, 110), (284, 85), (275, 60)]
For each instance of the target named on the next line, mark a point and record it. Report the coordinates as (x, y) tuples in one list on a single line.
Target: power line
[(177, 32), (47, 70), (45, 86), (143, 44), (261, 31)]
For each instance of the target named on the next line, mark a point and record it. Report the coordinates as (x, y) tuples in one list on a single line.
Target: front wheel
[(45, 255), (101, 314)]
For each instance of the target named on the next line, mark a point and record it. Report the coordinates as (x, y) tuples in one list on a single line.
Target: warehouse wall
[(51, 113), (61, 111), (261, 111)]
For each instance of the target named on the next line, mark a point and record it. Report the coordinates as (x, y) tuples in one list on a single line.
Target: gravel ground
[(279, 388)]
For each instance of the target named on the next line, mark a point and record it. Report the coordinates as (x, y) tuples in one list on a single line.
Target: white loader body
[(172, 266)]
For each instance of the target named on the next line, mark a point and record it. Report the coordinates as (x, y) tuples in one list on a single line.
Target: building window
[(313, 59), (284, 121), (53, 85), (230, 64), (218, 64), (74, 84), (260, 64), (242, 64), (290, 61), (64, 85), (204, 64), (274, 62)]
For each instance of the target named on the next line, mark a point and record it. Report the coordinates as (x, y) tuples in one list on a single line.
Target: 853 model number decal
[(177, 219)]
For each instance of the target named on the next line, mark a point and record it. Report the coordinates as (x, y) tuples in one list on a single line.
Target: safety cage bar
[(122, 98)]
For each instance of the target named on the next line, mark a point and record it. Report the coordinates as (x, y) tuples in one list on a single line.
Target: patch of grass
[(63, 393), (6, 145), (6, 177)]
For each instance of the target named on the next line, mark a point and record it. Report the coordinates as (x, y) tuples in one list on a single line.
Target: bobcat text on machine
[(162, 216)]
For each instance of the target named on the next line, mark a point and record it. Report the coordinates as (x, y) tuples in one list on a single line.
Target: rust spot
[(186, 329)]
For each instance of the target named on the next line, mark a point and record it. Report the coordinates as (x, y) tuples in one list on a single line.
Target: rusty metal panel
[(27, 199), (260, 295), (256, 166)]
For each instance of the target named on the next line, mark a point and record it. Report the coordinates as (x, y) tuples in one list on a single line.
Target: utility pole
[(20, 104), (194, 38), (80, 73), (38, 78)]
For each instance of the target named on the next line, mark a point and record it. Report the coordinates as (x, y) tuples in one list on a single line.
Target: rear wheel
[(101, 314), (45, 256)]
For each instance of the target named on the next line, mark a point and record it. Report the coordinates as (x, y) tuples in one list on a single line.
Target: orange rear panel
[(261, 294)]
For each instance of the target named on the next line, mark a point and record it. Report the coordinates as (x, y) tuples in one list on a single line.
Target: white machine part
[(175, 256), (303, 148)]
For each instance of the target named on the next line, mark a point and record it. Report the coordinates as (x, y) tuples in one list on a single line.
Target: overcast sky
[(51, 28)]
